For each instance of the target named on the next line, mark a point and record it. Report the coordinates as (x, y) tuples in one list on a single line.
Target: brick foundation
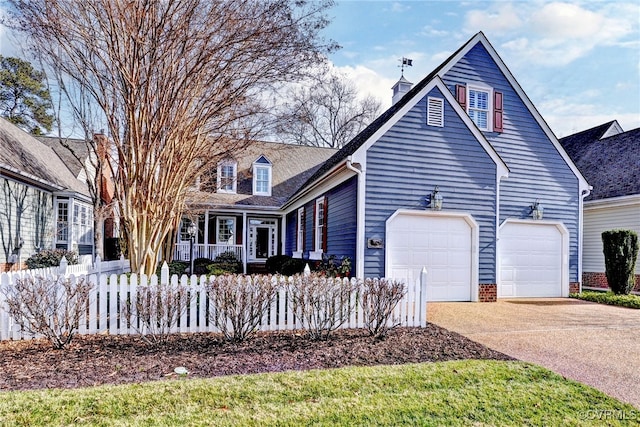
[(599, 280), (487, 292), (574, 287)]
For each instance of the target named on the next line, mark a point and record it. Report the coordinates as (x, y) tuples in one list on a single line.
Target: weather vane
[(406, 62)]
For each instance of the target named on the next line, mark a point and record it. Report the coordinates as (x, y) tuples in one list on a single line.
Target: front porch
[(182, 251)]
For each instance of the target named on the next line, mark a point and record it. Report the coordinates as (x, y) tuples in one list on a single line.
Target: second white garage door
[(531, 256), (442, 244)]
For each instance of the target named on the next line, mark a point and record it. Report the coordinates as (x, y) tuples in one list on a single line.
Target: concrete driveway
[(594, 344)]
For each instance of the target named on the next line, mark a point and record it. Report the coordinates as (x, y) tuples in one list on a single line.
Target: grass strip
[(629, 301), (457, 393)]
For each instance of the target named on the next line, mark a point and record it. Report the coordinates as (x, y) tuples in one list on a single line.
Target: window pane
[(262, 179), (226, 228), (478, 99)]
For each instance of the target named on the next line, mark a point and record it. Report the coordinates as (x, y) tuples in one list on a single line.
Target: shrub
[(238, 303), (332, 267), (379, 298), (293, 266), (48, 306), (629, 301), (51, 258), (620, 249), (201, 266), (175, 268), (156, 309), (226, 262), (274, 263), (321, 304)]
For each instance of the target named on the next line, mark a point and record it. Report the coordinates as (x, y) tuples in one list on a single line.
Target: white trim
[(300, 231), (475, 240), (233, 231), (481, 38), (317, 230), (612, 202), (565, 250), (234, 184), (255, 168), (360, 155), (479, 87), (360, 209)]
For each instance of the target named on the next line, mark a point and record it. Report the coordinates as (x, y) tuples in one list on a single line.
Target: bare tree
[(325, 112), (174, 81)]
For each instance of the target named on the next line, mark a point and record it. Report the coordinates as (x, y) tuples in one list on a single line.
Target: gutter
[(360, 237)]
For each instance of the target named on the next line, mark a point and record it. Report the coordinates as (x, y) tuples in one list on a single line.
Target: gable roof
[(593, 134), (28, 159), (611, 164), (291, 167), (79, 147), (351, 147)]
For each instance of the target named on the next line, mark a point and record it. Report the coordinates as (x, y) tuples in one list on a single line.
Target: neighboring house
[(610, 160), (466, 139), (80, 159), (238, 205), (42, 204)]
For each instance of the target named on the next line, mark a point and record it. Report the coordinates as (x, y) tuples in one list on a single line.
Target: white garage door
[(530, 260), (439, 243)]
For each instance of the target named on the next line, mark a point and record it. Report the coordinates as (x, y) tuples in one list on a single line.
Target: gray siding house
[(461, 176), (610, 159), (42, 204)]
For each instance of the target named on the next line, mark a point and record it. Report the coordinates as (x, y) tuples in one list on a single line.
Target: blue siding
[(410, 159), (537, 170), (341, 222)]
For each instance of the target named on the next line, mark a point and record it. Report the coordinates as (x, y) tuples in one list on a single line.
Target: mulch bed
[(103, 359)]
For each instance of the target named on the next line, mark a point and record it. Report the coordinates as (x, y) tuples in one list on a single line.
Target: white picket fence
[(105, 312)]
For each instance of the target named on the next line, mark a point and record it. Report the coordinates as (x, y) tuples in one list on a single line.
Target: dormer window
[(227, 176), (483, 104), (262, 177)]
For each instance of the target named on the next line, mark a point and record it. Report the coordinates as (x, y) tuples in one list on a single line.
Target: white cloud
[(399, 7), (370, 82), (500, 18)]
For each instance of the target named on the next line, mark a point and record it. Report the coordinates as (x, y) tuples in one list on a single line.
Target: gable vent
[(435, 111)]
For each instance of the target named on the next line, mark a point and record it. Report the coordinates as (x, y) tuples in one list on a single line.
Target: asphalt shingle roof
[(611, 165), (24, 155)]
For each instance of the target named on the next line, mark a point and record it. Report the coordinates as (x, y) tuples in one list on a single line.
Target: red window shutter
[(497, 111), (461, 96), (326, 224)]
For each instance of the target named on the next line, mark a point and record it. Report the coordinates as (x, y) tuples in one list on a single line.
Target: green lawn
[(629, 301), (447, 393)]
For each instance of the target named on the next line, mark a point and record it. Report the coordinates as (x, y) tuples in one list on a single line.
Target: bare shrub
[(379, 298), (321, 304), (157, 309), (238, 303), (51, 307)]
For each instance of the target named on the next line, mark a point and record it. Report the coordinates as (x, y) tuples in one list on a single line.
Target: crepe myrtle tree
[(176, 82)]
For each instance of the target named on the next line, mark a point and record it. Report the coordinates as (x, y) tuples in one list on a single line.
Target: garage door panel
[(530, 260), (441, 244)]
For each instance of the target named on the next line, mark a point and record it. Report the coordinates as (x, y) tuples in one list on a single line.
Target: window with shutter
[(483, 104), (435, 112), (497, 111)]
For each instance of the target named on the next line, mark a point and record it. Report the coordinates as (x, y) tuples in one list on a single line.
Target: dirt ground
[(103, 359)]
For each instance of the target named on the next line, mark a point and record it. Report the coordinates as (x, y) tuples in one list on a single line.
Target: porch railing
[(182, 251)]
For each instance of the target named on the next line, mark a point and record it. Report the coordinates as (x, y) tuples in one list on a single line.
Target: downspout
[(584, 194), (359, 218)]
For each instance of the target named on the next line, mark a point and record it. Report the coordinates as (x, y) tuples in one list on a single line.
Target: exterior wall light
[(436, 199), (537, 210)]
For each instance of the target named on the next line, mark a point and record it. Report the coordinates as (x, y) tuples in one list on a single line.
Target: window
[(82, 224), (227, 176), (484, 106), (262, 177), (435, 112), (479, 107), (226, 230), (62, 225), (300, 229), (320, 230)]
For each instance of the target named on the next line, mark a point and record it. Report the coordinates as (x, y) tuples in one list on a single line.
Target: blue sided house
[(461, 175)]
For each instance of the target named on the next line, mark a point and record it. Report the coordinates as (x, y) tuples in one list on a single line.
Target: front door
[(262, 238)]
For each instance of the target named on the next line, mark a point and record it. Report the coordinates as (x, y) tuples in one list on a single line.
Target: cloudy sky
[(579, 62)]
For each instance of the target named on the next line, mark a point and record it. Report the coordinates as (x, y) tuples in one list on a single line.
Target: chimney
[(400, 88)]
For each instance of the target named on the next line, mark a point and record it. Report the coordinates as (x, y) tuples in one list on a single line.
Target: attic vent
[(435, 112)]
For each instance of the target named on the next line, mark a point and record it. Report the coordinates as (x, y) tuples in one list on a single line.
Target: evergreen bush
[(51, 258), (620, 249)]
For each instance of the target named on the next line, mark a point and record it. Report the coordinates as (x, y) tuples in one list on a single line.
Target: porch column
[(245, 232)]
